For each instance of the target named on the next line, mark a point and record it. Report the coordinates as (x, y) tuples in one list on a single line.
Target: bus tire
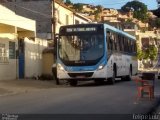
[(73, 82), (112, 80), (128, 77)]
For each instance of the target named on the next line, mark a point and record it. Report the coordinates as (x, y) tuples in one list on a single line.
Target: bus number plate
[(81, 76)]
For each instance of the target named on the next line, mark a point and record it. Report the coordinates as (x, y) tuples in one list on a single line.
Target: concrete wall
[(47, 63), (33, 56), (8, 68)]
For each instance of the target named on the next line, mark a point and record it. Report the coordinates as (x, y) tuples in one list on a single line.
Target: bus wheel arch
[(115, 69), (128, 77), (112, 79)]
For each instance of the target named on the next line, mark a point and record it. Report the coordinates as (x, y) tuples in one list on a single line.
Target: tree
[(157, 12), (61, 0), (78, 7), (68, 2), (157, 22), (139, 10), (97, 15), (140, 54), (152, 53), (99, 8)]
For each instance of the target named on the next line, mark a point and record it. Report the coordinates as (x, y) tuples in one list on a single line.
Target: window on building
[(76, 22), (67, 19), (3, 54), (12, 52), (145, 43)]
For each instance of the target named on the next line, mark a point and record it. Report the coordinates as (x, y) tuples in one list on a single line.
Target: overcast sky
[(117, 4)]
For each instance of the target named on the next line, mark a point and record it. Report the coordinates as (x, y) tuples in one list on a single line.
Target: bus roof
[(119, 31), (105, 26)]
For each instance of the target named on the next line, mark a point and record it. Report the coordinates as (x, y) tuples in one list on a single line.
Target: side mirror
[(55, 44)]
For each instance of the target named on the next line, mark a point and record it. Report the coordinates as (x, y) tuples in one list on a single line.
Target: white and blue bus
[(95, 52)]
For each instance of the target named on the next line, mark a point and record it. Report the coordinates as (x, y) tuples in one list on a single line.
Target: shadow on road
[(93, 84)]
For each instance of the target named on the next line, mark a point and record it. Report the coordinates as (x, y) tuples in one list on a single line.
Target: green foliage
[(78, 7), (139, 10), (157, 12), (97, 16), (153, 52), (68, 2), (129, 20), (146, 54), (61, 0), (99, 8), (157, 22), (140, 54), (150, 53)]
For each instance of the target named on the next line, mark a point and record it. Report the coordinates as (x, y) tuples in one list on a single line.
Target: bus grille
[(88, 74)]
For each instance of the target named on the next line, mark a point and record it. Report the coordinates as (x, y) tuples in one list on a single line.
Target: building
[(66, 16), (12, 26), (144, 41), (38, 10)]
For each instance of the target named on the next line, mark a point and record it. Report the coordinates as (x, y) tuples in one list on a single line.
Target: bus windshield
[(81, 49)]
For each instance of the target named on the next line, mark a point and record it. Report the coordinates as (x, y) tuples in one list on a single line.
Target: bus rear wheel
[(73, 82)]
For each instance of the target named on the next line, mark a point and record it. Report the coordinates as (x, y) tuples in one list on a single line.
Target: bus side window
[(123, 44), (119, 38), (130, 45), (135, 47), (118, 43), (115, 42), (108, 40)]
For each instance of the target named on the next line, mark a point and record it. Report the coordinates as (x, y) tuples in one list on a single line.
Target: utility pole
[(54, 67), (53, 21)]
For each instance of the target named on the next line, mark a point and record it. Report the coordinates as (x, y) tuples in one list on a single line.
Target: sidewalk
[(9, 87)]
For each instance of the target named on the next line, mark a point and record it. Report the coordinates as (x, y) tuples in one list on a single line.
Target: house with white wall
[(20, 50), (66, 16)]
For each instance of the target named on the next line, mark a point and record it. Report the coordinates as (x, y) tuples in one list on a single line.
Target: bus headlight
[(60, 67), (100, 67)]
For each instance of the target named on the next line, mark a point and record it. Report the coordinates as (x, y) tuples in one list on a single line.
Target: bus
[(95, 52)]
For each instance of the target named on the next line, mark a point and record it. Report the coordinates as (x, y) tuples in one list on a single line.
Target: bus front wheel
[(112, 80), (73, 82), (128, 77)]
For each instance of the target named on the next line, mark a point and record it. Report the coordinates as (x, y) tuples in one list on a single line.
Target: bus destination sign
[(81, 29)]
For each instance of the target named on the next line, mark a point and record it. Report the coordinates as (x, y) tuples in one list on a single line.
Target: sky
[(117, 4)]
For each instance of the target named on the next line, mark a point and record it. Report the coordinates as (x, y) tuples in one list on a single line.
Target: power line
[(21, 20), (33, 11)]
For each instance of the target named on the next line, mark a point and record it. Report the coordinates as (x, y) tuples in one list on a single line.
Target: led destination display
[(81, 29)]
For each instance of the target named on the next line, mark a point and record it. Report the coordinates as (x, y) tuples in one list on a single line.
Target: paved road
[(86, 98)]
